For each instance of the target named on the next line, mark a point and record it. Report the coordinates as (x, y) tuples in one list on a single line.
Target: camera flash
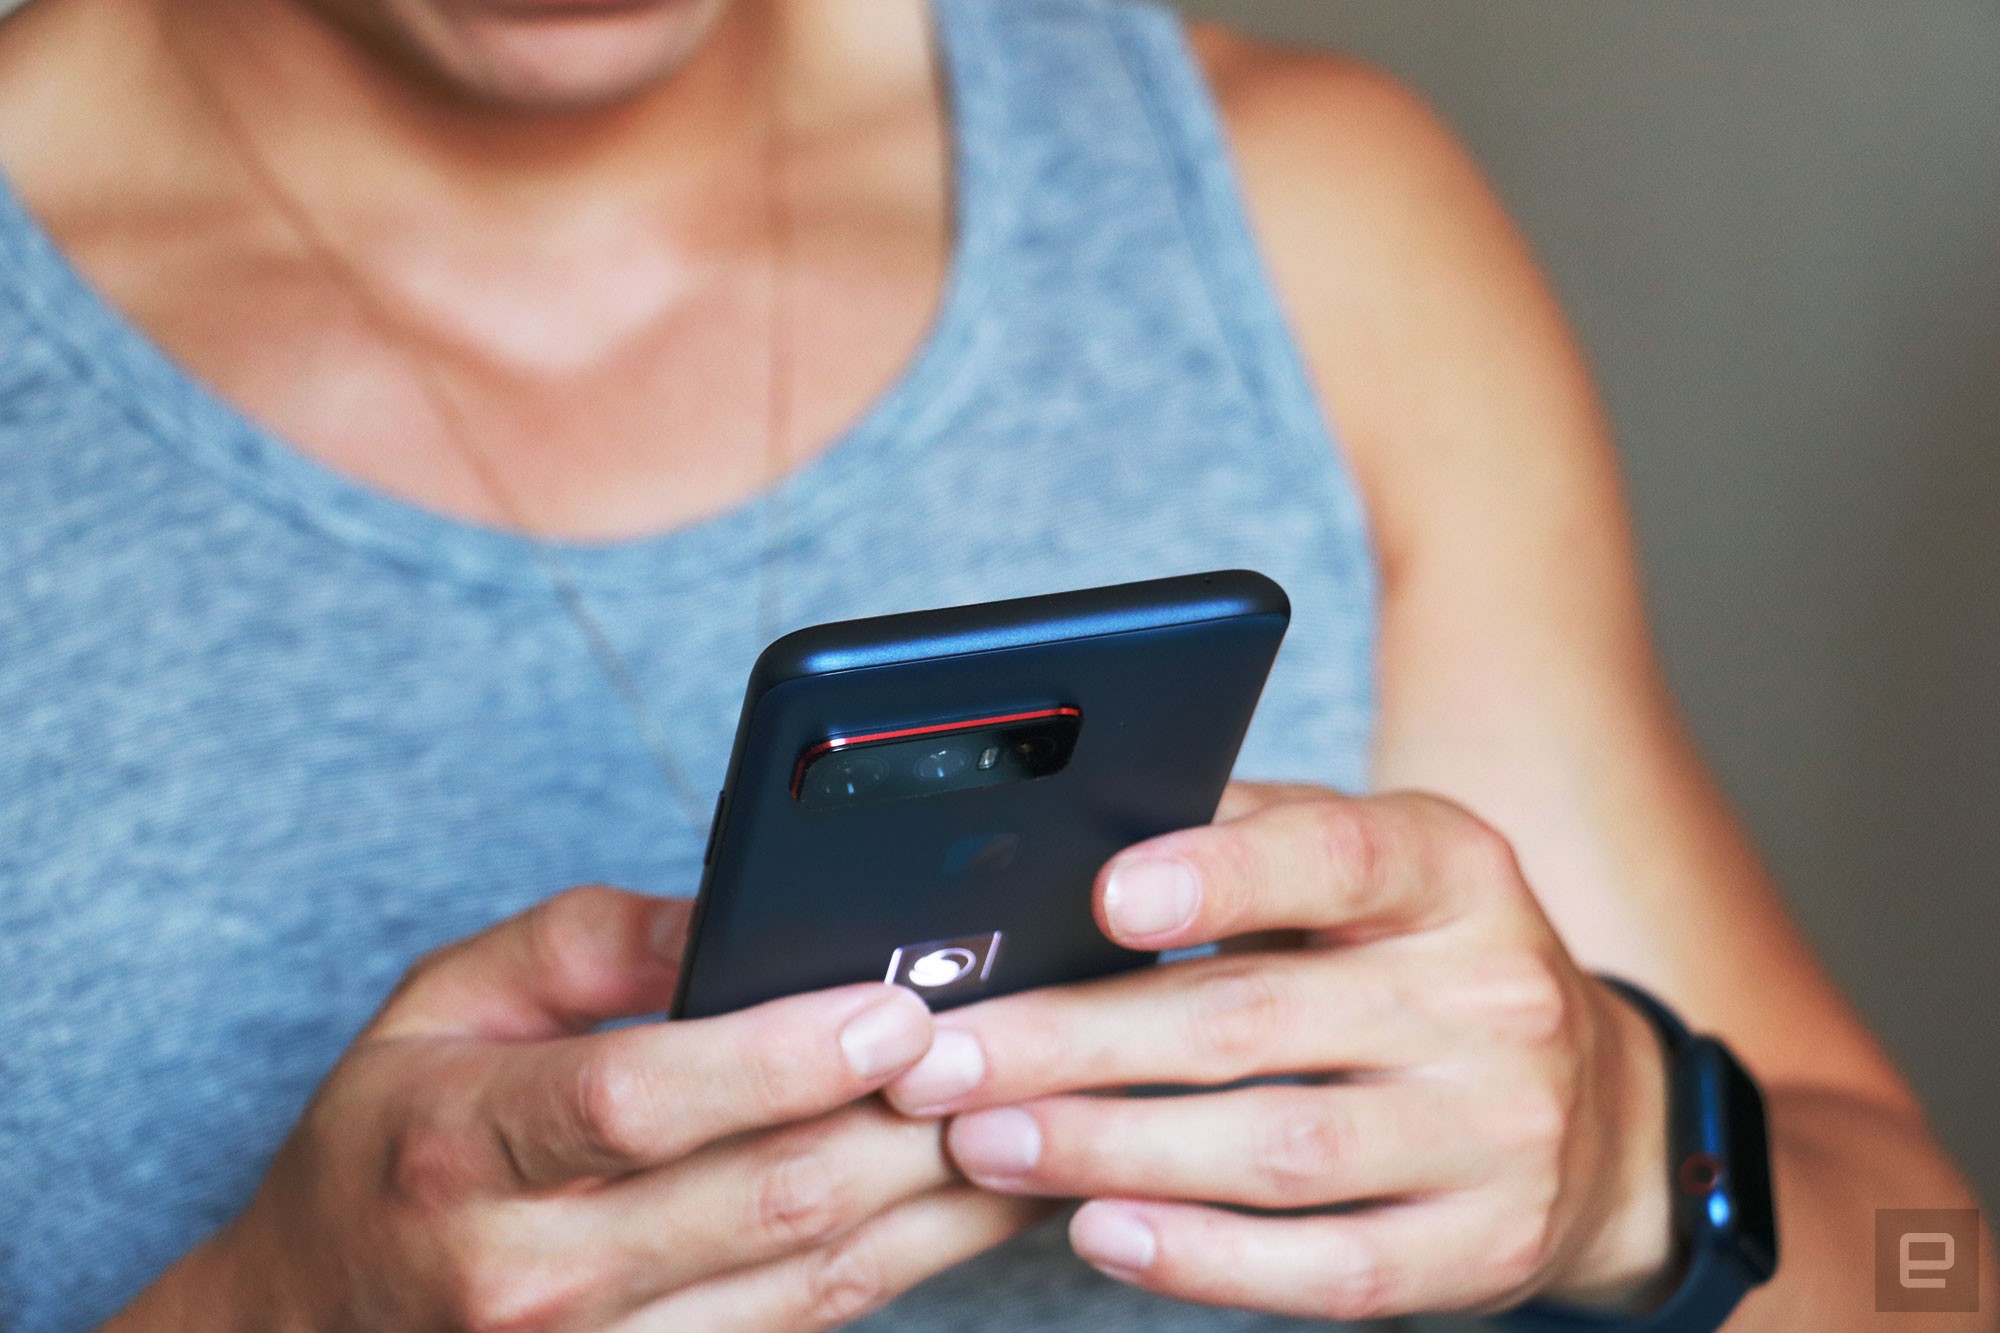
[(989, 757)]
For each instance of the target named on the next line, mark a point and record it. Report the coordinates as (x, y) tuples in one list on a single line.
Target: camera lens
[(1035, 751), (847, 775), (941, 764)]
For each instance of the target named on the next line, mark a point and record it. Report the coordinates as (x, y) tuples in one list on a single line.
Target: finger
[(747, 1200), (1269, 1147), (1388, 864), (632, 1098), (862, 1271), (583, 957), (1247, 798), (1205, 1021), (1372, 1264)]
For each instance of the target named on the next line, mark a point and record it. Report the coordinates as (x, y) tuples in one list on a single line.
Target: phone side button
[(714, 829)]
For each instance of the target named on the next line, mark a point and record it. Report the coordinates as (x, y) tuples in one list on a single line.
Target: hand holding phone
[(483, 1156)]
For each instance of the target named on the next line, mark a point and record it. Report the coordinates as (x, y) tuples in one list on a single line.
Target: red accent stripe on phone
[(832, 743)]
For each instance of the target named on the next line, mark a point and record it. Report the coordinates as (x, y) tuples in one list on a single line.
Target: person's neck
[(373, 137), (370, 133)]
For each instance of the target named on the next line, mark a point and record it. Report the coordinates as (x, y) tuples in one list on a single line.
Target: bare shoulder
[(1435, 343), (1322, 137), (1283, 98)]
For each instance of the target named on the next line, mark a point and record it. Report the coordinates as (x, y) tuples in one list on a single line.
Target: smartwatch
[(1719, 1157)]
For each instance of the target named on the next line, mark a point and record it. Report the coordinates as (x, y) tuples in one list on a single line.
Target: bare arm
[(1518, 675)]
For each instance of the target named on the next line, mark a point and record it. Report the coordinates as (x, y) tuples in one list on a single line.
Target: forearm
[(1837, 1158)]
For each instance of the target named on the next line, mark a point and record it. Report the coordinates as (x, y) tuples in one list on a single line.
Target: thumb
[(1240, 799), (584, 957)]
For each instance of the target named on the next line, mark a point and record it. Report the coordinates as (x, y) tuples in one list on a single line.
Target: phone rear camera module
[(847, 776), (943, 764), (959, 759)]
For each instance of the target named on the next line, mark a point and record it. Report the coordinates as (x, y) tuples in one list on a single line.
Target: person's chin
[(561, 55)]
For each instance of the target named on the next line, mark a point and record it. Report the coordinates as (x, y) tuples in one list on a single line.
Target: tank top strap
[(1088, 137)]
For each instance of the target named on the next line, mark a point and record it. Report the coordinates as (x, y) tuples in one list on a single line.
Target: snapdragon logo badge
[(944, 969)]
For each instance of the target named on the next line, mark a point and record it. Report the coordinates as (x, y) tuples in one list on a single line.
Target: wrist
[(229, 1283), (201, 1291), (1629, 1258)]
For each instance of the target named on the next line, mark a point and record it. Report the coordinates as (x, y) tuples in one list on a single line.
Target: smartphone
[(927, 798)]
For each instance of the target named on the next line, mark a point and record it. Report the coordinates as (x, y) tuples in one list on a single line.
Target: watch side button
[(1701, 1173)]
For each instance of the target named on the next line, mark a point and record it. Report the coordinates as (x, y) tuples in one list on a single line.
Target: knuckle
[(1513, 1265), (494, 1296), (583, 909), (1345, 842), (1542, 1008), (1296, 1162), (844, 1282), (1523, 1251), (1356, 1285), (432, 1167), (1534, 1124), (1482, 854), (558, 928), (615, 1108), (427, 965), (800, 1199), (1522, 996), (1347, 839), (1236, 1016), (489, 1278)]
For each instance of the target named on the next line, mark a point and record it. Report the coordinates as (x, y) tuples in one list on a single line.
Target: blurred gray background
[(1776, 225)]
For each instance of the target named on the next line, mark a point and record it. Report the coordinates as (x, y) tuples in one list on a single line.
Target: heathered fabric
[(266, 735)]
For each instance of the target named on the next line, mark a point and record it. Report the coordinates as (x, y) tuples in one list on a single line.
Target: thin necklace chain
[(360, 290)]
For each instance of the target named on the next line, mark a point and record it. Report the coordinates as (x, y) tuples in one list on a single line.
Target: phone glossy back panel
[(1165, 674)]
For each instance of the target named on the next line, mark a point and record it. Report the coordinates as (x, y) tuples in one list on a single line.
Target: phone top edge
[(1184, 599)]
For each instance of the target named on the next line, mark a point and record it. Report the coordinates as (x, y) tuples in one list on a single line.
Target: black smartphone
[(927, 798)]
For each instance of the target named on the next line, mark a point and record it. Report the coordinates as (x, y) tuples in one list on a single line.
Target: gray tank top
[(266, 735)]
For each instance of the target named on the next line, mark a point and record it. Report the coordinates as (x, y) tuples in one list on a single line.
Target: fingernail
[(951, 1068), (886, 1036), (1148, 897), (1108, 1236), (997, 1144)]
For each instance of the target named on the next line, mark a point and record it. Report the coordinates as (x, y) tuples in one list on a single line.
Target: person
[(366, 361)]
